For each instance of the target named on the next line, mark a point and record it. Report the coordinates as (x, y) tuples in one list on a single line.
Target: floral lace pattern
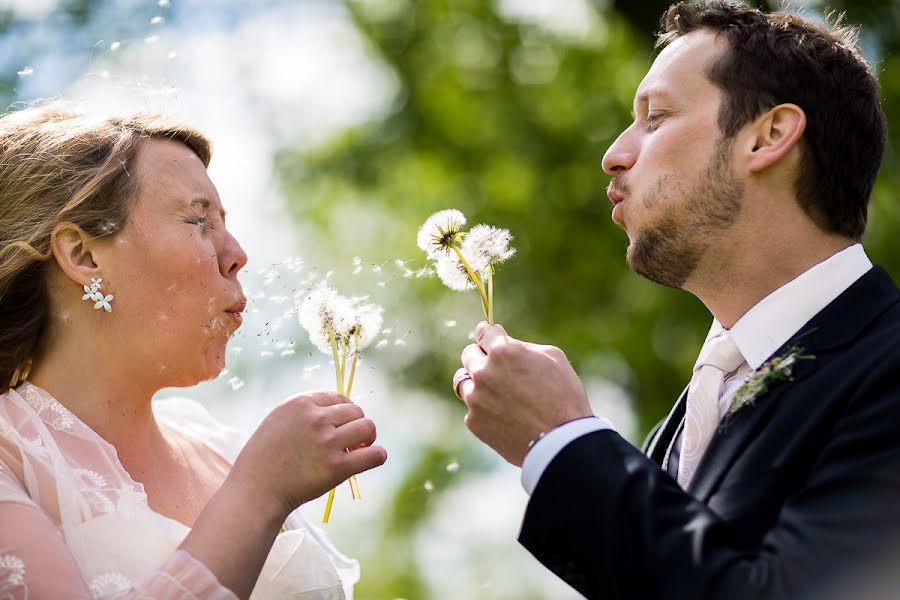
[(109, 585), (12, 575)]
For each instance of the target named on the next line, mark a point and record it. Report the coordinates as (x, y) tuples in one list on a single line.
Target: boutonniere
[(777, 368)]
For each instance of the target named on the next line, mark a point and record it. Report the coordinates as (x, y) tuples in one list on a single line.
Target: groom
[(744, 179)]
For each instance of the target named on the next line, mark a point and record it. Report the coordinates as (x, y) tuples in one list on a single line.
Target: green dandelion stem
[(490, 315), (353, 362), (475, 279)]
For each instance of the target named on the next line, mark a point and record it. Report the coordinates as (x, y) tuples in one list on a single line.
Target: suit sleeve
[(613, 525)]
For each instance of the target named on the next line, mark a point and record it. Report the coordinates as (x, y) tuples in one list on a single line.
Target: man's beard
[(669, 250)]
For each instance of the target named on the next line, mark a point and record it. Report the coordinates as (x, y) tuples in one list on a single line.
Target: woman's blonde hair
[(59, 165)]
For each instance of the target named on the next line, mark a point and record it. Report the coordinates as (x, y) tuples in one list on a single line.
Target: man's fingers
[(473, 358), (489, 337)]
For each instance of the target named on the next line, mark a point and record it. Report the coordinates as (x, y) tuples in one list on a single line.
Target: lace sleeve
[(36, 563)]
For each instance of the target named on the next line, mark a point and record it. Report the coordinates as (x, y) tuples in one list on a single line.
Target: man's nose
[(621, 155)]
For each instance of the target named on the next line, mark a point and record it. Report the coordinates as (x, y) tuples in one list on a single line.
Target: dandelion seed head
[(441, 231), (453, 273), (366, 320), (324, 313), (485, 246)]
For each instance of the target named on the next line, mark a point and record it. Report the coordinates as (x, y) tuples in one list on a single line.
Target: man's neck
[(734, 281)]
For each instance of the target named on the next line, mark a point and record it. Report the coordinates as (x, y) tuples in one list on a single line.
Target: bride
[(118, 278)]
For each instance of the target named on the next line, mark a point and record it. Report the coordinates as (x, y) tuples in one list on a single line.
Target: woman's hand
[(299, 450), (296, 454)]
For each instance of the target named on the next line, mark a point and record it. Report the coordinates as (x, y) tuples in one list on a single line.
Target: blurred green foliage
[(507, 120)]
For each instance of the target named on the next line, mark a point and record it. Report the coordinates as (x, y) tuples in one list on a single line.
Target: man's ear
[(73, 250), (775, 134)]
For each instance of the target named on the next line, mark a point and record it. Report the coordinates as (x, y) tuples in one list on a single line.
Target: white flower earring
[(93, 293)]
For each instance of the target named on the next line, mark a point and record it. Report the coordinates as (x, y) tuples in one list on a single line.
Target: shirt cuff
[(545, 450)]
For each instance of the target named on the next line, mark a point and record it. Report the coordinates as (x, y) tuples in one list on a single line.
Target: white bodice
[(50, 460)]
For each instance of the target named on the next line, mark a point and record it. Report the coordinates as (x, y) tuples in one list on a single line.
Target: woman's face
[(173, 270)]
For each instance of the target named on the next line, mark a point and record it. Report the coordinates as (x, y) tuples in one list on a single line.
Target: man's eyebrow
[(645, 97), (204, 202)]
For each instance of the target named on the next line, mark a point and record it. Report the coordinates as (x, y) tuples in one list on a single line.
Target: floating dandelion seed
[(104, 74), (25, 72), (441, 232), (399, 343), (266, 354), (172, 54), (236, 383), (381, 344), (453, 467), (288, 352), (163, 3), (115, 46), (151, 39), (429, 486), (450, 323), (156, 20)]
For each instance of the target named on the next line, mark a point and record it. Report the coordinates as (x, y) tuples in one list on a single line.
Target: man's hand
[(516, 390)]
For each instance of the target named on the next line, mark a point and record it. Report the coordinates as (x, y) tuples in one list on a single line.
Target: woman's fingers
[(355, 433)]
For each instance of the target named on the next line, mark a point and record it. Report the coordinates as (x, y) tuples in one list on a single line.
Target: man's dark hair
[(780, 58)]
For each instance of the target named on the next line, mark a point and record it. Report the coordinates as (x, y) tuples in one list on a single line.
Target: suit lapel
[(666, 432), (836, 325)]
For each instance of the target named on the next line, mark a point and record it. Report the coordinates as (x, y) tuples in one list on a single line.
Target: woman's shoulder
[(193, 419)]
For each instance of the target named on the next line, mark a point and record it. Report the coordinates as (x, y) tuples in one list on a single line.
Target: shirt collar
[(781, 314)]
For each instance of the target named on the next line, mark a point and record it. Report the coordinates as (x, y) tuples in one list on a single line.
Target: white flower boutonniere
[(778, 368)]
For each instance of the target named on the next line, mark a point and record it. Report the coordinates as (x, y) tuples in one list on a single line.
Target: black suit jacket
[(797, 496)]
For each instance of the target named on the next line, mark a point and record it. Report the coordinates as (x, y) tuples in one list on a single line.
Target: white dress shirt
[(758, 335)]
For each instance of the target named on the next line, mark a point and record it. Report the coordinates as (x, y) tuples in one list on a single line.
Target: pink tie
[(718, 358)]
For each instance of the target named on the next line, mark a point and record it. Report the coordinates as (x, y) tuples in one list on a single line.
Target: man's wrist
[(547, 445)]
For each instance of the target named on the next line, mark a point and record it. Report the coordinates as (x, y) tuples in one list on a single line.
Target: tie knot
[(720, 352)]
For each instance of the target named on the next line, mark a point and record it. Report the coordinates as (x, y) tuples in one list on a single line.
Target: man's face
[(673, 187)]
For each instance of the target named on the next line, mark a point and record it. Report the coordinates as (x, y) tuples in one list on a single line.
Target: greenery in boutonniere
[(778, 368)]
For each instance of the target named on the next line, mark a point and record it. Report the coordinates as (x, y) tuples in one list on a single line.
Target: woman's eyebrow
[(204, 202)]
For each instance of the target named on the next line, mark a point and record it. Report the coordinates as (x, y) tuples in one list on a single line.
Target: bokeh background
[(338, 127)]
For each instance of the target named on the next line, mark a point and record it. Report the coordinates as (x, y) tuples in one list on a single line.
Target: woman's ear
[(775, 134), (73, 250)]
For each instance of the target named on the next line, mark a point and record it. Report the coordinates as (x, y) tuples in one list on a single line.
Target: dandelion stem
[(344, 364), (339, 381), (475, 279), (328, 506), (490, 315), (353, 362)]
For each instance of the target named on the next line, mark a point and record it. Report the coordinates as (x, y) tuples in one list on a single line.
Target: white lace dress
[(73, 524)]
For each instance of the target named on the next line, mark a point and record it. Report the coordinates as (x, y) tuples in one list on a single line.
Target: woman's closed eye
[(202, 220)]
